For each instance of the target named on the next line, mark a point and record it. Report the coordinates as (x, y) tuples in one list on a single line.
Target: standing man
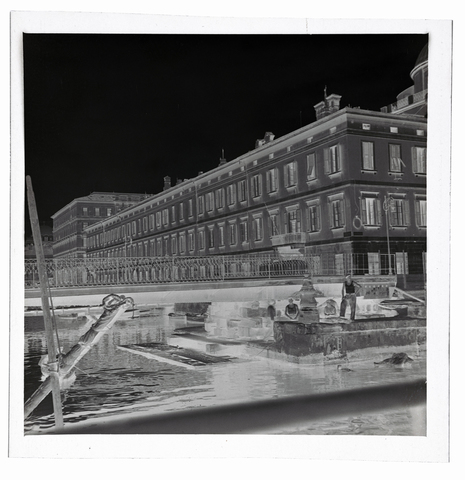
[(271, 310), (349, 296)]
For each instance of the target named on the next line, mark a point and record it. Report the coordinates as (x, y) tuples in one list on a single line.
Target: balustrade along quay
[(114, 271)]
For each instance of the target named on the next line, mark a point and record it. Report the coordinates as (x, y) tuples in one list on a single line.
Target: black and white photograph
[(226, 231)]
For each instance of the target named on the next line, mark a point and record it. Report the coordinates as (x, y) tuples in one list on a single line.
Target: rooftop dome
[(421, 64), (423, 57)]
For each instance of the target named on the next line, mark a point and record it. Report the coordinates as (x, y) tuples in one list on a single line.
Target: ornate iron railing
[(79, 272)]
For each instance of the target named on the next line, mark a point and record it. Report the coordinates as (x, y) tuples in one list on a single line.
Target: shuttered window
[(231, 194), (399, 212), (200, 206), (368, 159), (209, 201), (244, 232), (221, 235), (336, 213), (258, 228), (290, 174), (314, 218), (182, 243), (256, 186), (242, 191), (293, 221), (332, 159), (420, 212), (419, 159), (311, 166), (190, 239), (274, 224), (201, 240), (271, 180), (165, 216), (211, 238), (232, 234), (371, 210), (395, 160), (220, 198)]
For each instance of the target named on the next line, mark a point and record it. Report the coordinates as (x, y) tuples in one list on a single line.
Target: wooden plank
[(183, 357), (49, 331)]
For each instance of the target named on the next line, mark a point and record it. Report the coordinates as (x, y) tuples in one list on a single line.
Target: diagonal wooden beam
[(49, 332)]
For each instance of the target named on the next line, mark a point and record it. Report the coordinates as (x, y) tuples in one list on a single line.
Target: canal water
[(114, 382)]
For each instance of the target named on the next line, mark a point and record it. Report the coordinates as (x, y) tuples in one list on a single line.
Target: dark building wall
[(163, 225)]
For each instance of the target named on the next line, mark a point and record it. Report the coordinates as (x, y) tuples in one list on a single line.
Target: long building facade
[(352, 182), (70, 221)]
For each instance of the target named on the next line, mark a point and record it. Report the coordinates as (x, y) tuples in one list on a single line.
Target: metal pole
[(386, 206), (52, 351), (424, 260), (404, 266)]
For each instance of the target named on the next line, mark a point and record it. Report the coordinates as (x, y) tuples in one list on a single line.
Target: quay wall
[(211, 291), (166, 294), (326, 342)]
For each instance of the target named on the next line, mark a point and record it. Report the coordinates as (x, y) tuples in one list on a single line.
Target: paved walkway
[(233, 291)]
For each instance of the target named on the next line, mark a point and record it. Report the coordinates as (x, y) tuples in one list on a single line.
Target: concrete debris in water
[(396, 359)]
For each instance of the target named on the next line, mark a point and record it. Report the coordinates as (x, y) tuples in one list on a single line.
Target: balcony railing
[(84, 272), (292, 239)]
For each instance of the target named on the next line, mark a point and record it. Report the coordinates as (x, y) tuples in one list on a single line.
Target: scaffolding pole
[(43, 280)]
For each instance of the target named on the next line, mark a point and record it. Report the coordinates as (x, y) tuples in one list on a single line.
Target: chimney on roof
[(329, 105), (167, 183), (269, 137), (222, 159)]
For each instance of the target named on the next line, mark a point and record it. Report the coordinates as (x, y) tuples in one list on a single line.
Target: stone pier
[(324, 342)]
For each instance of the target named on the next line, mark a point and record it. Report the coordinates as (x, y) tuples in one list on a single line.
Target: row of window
[(396, 164), (397, 208), (280, 222), (97, 211), (374, 260), (237, 192)]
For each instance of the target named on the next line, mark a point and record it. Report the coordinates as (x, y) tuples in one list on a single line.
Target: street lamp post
[(386, 207)]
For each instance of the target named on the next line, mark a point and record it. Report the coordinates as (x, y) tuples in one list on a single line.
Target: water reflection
[(111, 381)]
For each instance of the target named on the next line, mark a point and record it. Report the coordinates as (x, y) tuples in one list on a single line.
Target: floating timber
[(183, 357)]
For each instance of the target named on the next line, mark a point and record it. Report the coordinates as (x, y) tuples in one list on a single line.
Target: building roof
[(113, 196), (105, 197)]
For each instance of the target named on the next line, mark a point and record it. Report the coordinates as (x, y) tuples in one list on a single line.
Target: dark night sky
[(117, 113)]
